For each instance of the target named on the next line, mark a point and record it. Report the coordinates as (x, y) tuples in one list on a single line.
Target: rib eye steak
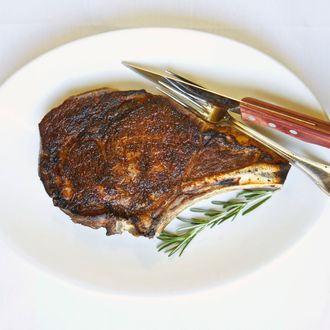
[(130, 160)]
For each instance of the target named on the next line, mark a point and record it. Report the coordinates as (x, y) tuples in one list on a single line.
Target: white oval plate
[(124, 264)]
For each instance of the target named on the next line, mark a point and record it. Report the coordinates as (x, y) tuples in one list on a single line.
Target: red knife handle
[(300, 126)]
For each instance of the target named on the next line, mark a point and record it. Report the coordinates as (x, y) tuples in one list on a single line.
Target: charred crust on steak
[(130, 160)]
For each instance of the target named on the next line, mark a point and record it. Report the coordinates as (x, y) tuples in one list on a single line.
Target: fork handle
[(303, 127)]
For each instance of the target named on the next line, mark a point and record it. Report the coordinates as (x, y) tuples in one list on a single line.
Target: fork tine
[(177, 98), (171, 95), (185, 98), (190, 93)]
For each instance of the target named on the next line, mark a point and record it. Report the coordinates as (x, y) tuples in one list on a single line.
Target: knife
[(213, 107)]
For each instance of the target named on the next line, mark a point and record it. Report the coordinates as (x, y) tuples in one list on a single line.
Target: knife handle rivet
[(271, 125), (292, 131), (251, 118)]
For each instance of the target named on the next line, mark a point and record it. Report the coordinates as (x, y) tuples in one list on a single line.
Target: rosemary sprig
[(245, 202)]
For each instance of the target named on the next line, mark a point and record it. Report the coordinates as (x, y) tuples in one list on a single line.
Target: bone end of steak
[(131, 161)]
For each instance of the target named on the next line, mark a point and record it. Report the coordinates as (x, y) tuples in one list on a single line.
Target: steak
[(131, 160)]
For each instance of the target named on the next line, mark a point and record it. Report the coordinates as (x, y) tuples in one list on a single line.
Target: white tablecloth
[(292, 292)]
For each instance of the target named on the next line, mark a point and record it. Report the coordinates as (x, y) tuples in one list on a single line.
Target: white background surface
[(291, 293)]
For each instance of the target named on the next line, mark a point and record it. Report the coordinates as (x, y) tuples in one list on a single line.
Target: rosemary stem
[(245, 202)]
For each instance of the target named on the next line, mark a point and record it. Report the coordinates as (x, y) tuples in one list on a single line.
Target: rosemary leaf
[(255, 206)]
